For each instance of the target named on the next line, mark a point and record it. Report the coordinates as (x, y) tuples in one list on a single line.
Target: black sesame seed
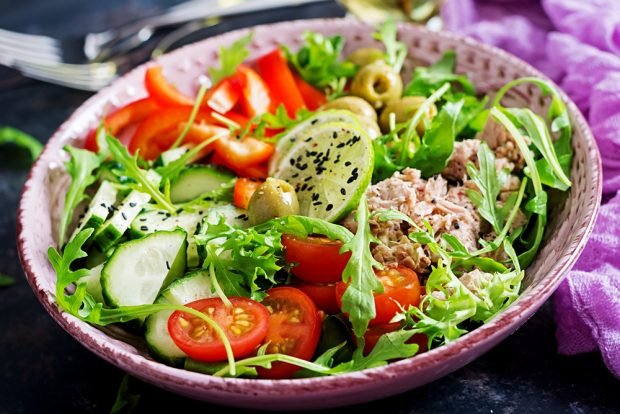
[(123, 216), (329, 207), (143, 219), (144, 228), (308, 139), (179, 211), (343, 191), (315, 196), (457, 225), (132, 204), (292, 161), (341, 145), (304, 187), (104, 205), (317, 203), (308, 178), (346, 164), (167, 265), (314, 121)]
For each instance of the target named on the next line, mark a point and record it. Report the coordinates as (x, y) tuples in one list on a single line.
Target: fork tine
[(26, 54), (91, 77), (31, 40), (41, 49)]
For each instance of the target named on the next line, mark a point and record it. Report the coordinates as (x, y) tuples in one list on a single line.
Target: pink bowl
[(571, 221)]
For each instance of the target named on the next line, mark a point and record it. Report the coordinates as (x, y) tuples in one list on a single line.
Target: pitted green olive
[(365, 56), (274, 198), (354, 104), (378, 83), (404, 109)]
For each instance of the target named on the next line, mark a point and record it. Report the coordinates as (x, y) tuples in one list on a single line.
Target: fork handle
[(103, 45)]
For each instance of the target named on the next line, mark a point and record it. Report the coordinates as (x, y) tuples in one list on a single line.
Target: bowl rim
[(141, 366)]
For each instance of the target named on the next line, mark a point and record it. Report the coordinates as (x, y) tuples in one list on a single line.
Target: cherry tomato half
[(318, 259), (372, 335), (401, 288), (245, 324), (244, 189), (294, 329), (322, 294)]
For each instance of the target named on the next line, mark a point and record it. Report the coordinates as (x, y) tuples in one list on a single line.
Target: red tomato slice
[(121, 118), (245, 324), (294, 329), (161, 90), (243, 153), (318, 259), (372, 335), (153, 133), (274, 69), (256, 98), (401, 286), (322, 294), (244, 189), (313, 98), (224, 95)]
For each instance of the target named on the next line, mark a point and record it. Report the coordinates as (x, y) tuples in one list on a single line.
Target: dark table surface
[(44, 370)]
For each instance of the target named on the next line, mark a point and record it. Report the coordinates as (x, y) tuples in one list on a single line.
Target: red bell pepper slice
[(313, 98), (244, 189), (121, 118), (274, 70), (259, 171), (224, 95), (163, 91), (255, 97), (243, 153)]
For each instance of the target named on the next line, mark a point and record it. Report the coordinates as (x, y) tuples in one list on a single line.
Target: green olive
[(370, 127), (353, 104), (378, 83), (403, 109), (365, 56), (274, 198)]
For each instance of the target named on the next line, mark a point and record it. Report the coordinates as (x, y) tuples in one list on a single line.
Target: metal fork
[(50, 60)]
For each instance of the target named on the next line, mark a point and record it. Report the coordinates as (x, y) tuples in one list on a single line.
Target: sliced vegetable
[(275, 71), (315, 259), (122, 217), (161, 90), (99, 208), (322, 294), (245, 323), (223, 96), (243, 153), (196, 180), (313, 98), (294, 329), (256, 96), (244, 190)]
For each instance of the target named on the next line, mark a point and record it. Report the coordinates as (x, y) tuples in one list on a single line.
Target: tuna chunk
[(502, 143), (463, 152), (446, 208)]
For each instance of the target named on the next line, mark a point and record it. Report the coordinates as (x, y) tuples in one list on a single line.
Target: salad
[(306, 213)]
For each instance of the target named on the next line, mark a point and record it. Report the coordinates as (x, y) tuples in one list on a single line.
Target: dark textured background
[(43, 369)]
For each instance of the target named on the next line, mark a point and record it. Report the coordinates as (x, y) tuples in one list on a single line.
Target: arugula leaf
[(142, 181), (438, 141), (19, 138), (426, 80), (231, 57), (81, 168), (468, 122), (302, 226), (126, 401), (549, 167), (489, 183), (317, 61), (447, 304), (358, 300), (6, 281), (395, 51)]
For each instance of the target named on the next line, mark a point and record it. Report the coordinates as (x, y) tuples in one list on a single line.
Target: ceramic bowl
[(571, 220)]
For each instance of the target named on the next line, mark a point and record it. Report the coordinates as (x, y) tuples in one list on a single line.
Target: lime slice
[(330, 166), (292, 135)]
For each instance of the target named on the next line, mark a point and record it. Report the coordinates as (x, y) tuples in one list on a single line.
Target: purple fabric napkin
[(576, 43)]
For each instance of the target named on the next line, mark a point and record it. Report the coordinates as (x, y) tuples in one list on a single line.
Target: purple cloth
[(577, 44)]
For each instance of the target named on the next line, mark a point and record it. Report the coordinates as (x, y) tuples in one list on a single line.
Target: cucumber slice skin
[(195, 285), (196, 180), (335, 143), (99, 208), (292, 136), (123, 276), (114, 228), (93, 282)]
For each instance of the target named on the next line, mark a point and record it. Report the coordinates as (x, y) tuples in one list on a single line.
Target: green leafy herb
[(495, 291), (438, 141), (19, 138), (6, 281), (358, 300), (395, 51), (126, 400), (192, 116), (81, 168), (231, 57), (143, 182), (302, 226), (317, 61), (426, 80)]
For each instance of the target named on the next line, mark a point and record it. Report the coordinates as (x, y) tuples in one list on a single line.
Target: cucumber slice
[(330, 167), (155, 220), (99, 208), (193, 286), (195, 180), (293, 135), (115, 227), (93, 282), (139, 269)]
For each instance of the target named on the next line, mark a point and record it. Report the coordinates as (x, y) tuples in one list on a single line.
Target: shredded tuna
[(446, 208), (463, 152), (474, 279), (502, 143)]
